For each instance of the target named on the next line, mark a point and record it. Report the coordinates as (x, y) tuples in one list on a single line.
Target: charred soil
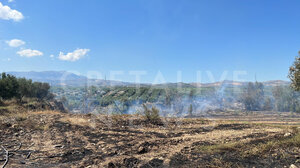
[(55, 139)]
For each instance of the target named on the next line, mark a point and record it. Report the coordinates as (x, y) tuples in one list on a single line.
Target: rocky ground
[(54, 139)]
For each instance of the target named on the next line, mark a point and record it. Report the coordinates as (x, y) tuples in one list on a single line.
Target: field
[(54, 139)]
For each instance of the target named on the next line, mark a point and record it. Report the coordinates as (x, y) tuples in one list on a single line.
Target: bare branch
[(6, 157)]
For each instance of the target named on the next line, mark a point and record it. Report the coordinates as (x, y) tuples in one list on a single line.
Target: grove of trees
[(12, 87), (282, 98), (253, 96)]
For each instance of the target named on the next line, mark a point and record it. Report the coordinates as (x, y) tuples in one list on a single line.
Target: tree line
[(12, 87), (282, 98)]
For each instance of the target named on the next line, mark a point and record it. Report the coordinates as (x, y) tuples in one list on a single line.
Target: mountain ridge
[(65, 78)]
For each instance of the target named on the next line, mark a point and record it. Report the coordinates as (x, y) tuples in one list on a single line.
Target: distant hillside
[(62, 78), (175, 85), (276, 83), (237, 84), (49, 76)]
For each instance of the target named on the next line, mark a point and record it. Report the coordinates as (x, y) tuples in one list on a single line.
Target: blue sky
[(259, 37)]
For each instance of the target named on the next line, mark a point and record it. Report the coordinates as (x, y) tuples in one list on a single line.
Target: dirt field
[(53, 139)]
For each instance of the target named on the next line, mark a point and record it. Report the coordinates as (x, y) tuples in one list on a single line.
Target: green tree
[(277, 93), (294, 73), (190, 110), (253, 96), (286, 99), (25, 88), (168, 98), (9, 86), (268, 105), (192, 94), (41, 90), (12, 87)]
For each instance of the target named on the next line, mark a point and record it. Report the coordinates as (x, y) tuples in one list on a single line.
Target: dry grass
[(27, 119), (249, 149), (208, 143), (46, 112), (19, 117), (264, 148), (77, 120)]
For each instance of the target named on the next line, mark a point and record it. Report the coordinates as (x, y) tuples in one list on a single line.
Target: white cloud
[(29, 53), (73, 56), (7, 13), (11, 1), (15, 43)]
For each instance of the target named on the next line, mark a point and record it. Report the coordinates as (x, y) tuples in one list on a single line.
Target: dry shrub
[(152, 114)]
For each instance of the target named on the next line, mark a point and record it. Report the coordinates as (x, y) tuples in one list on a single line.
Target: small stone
[(287, 134)]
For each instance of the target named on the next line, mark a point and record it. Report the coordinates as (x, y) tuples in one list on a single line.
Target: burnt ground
[(53, 139)]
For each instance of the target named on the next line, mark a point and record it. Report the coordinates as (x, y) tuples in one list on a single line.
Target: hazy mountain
[(175, 85), (48, 75), (71, 79), (237, 84), (276, 83), (61, 78)]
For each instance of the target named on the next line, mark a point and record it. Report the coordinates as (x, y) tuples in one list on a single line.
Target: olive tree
[(294, 73)]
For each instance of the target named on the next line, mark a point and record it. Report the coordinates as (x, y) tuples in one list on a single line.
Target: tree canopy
[(253, 96), (12, 87), (294, 73)]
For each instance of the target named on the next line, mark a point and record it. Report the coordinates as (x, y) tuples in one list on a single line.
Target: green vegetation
[(253, 96), (262, 148), (280, 98), (294, 73), (19, 88), (126, 96), (249, 149), (222, 147), (286, 99), (250, 97)]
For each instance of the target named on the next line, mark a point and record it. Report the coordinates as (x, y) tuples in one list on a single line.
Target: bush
[(152, 115)]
